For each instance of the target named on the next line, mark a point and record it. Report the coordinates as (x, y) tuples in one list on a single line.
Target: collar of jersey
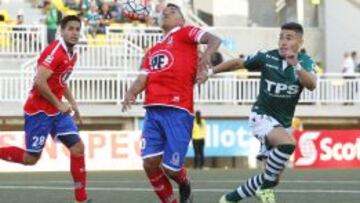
[(175, 29), (63, 44)]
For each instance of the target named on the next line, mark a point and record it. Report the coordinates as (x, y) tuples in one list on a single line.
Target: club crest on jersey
[(161, 60)]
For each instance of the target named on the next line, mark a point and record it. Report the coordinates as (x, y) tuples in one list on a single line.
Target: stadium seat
[(5, 13), (68, 12), (59, 4), (4, 38)]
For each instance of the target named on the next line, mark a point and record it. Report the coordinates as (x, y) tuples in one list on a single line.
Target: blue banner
[(225, 138)]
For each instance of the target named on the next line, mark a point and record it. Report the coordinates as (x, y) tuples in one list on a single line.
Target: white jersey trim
[(56, 48), (171, 168), (175, 29), (152, 155), (63, 44), (200, 34)]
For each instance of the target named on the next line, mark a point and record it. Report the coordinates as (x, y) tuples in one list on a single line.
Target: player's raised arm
[(306, 78), (40, 82), (136, 88), (213, 42)]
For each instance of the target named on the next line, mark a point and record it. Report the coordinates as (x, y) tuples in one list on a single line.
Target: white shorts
[(260, 127)]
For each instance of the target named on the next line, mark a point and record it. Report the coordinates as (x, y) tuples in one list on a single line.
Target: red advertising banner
[(327, 149)]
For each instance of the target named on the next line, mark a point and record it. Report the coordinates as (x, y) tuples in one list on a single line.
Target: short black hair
[(177, 7), (296, 27), (67, 19)]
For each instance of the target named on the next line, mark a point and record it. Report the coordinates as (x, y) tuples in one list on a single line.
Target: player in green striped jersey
[(284, 74)]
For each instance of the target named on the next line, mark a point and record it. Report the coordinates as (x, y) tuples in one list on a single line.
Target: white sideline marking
[(196, 181), (129, 189)]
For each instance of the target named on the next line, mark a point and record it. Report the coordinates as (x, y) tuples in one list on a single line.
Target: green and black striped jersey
[(280, 88)]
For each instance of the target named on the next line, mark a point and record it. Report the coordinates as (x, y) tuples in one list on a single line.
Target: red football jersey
[(56, 58), (171, 68)]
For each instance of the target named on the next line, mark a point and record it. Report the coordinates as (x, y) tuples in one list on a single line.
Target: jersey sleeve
[(308, 65), (193, 34), (255, 61), (48, 59)]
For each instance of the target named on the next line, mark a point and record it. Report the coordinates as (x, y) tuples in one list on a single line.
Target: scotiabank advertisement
[(327, 149), (105, 150)]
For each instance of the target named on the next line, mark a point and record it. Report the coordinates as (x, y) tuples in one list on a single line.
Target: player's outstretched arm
[(40, 82), (136, 87), (228, 66)]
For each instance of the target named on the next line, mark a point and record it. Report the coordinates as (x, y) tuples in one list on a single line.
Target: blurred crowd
[(96, 15), (351, 63)]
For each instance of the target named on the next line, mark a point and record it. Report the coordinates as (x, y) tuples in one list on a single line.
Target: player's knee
[(151, 163), (170, 173), (31, 160), (287, 148), (78, 149)]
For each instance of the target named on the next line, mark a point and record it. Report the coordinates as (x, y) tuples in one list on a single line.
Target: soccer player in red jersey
[(45, 112), (169, 72)]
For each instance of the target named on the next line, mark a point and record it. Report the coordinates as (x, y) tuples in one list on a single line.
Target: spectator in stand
[(117, 11), (92, 20), (19, 30), (83, 30), (72, 4), (355, 60), (105, 18), (349, 71), (53, 18), (85, 5), (348, 66), (20, 18)]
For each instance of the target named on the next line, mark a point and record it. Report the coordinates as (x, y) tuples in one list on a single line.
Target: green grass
[(299, 186)]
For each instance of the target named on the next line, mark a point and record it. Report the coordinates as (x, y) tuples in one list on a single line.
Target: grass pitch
[(298, 186)]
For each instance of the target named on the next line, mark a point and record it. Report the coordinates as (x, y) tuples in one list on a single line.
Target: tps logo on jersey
[(307, 147), (281, 88), (161, 60)]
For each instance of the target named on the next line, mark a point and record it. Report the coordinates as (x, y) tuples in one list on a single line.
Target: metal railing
[(22, 40), (109, 87)]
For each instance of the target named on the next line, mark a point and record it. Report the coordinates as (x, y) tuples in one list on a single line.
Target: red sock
[(12, 154), (182, 178), (162, 186), (78, 172)]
